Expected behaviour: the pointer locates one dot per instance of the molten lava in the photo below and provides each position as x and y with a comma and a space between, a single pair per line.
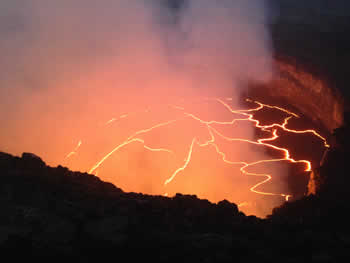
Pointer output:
205, 138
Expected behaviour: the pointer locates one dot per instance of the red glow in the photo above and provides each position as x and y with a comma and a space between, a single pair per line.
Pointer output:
196, 142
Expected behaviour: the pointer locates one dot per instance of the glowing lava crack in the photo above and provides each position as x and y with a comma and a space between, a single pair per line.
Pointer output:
247, 115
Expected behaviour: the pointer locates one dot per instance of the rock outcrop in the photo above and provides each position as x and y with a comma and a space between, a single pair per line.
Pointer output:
56, 214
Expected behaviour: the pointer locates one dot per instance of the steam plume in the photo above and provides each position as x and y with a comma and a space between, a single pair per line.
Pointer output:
67, 65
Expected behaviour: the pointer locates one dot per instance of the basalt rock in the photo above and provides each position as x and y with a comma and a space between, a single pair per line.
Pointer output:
56, 214
331, 177
32, 161
329, 202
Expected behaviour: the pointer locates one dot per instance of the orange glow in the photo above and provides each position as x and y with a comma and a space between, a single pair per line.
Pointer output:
206, 134
202, 146
147, 97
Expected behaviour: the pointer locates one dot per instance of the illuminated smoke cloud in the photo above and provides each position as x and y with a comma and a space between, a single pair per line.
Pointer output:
224, 42
61, 59
67, 65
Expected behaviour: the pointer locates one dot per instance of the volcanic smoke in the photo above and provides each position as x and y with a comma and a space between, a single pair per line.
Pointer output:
133, 90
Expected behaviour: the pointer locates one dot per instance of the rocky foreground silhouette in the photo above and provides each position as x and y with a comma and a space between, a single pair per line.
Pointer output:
55, 214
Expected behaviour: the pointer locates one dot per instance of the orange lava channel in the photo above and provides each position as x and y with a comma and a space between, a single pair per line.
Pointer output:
247, 116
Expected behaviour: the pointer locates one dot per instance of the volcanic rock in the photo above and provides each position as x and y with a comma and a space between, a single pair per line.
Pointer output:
75, 216
331, 177
33, 160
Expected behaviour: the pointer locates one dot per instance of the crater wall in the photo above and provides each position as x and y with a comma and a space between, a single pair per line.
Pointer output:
309, 94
